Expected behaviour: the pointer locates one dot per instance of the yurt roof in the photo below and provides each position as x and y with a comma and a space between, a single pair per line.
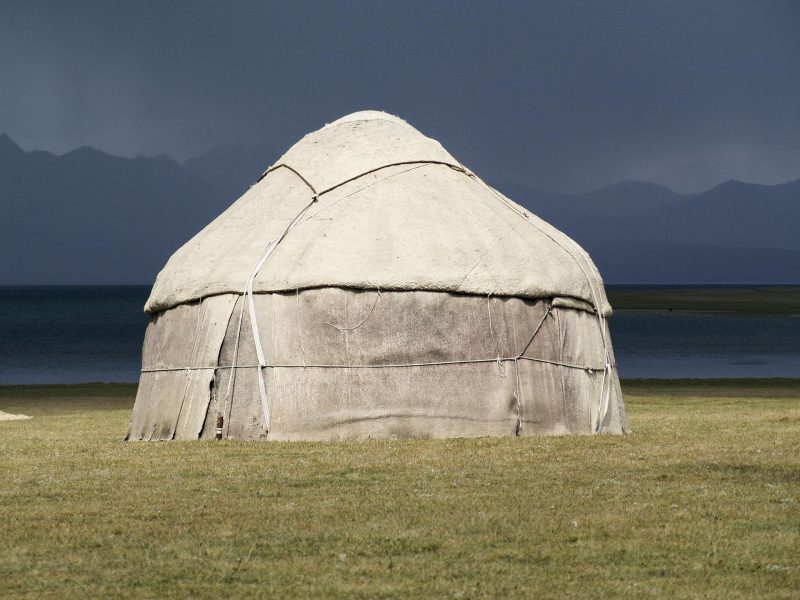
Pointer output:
392, 209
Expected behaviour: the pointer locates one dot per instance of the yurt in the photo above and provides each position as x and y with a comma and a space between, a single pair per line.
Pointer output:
369, 285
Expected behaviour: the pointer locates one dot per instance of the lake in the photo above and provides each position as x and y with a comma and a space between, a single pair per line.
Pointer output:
85, 334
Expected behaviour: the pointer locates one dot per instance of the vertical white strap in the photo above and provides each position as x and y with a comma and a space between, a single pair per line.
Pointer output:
251, 309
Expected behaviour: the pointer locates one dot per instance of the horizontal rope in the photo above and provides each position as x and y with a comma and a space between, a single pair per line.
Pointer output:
388, 366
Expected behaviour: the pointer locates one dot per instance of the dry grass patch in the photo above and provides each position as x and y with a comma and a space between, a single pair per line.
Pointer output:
702, 499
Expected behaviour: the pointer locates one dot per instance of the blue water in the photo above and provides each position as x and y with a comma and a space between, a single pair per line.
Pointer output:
84, 334
673, 345
71, 334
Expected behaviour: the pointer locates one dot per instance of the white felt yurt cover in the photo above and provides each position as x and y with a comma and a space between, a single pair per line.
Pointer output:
370, 285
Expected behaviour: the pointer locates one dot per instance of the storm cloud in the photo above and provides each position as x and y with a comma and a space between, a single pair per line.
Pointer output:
563, 96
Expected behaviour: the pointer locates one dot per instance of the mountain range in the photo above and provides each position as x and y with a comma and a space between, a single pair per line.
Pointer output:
86, 217
644, 233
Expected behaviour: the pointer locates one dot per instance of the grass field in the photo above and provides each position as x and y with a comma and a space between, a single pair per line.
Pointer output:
701, 500
765, 300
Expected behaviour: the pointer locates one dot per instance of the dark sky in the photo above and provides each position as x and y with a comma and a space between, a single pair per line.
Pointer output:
558, 95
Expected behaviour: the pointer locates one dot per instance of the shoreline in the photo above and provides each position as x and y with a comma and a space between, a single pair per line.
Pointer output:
708, 311
764, 300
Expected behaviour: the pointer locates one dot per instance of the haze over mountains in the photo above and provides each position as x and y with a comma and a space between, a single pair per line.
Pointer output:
86, 217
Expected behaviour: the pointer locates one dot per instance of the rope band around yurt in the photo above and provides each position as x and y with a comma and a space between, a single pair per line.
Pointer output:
468, 361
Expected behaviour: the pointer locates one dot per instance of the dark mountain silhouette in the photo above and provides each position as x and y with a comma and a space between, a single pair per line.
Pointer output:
87, 217
653, 262
621, 199
639, 232
731, 214
232, 168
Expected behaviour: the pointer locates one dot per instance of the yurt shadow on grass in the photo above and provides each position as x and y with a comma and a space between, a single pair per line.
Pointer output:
371, 286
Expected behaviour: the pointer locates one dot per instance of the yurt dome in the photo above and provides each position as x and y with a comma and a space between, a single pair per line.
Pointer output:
369, 285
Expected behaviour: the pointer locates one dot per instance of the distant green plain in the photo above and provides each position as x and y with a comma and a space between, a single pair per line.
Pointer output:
702, 499
766, 300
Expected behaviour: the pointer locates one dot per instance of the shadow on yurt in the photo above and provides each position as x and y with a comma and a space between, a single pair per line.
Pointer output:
371, 286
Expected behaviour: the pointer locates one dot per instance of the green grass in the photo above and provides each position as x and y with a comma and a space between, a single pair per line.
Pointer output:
766, 300
701, 500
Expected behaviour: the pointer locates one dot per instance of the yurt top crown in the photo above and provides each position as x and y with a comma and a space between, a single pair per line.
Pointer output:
372, 203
